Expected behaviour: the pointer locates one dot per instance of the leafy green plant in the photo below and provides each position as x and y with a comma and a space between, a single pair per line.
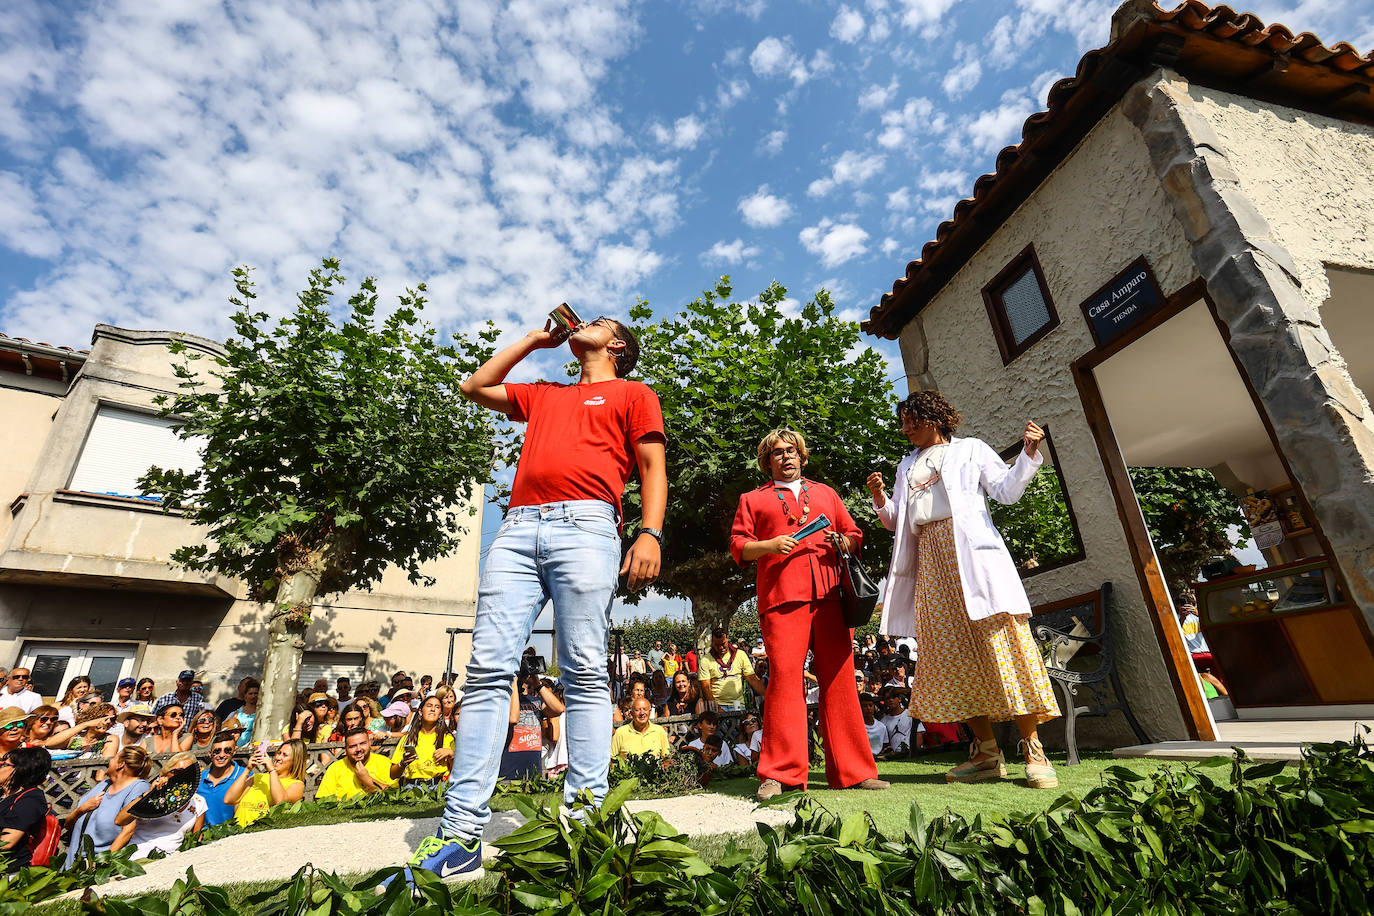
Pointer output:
1227, 836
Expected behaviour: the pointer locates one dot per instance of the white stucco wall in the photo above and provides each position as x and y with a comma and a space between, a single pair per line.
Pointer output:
1311, 178
1100, 210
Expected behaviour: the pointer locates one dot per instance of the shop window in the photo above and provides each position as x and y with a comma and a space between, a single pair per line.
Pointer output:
1019, 305
122, 445
1040, 529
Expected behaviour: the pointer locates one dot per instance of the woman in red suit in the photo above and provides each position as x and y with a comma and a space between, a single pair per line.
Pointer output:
799, 609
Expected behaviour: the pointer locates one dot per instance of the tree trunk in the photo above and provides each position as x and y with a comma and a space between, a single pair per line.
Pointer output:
286, 640
707, 614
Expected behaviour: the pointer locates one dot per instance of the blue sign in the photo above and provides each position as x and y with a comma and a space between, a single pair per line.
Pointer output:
1128, 299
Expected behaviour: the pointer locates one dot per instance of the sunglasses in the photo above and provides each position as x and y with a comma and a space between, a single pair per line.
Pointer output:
47, 718
20, 677
222, 752
12, 727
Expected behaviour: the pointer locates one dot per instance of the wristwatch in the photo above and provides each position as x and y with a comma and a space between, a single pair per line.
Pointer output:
655, 533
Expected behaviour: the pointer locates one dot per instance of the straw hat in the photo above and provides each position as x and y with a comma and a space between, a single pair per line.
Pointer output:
12, 714
138, 709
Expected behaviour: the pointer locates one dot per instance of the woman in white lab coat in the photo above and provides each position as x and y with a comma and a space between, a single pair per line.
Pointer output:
954, 587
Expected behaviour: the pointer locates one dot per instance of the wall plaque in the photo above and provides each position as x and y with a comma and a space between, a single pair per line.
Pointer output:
1128, 299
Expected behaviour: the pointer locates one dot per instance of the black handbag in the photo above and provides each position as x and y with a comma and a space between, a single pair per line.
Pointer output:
860, 592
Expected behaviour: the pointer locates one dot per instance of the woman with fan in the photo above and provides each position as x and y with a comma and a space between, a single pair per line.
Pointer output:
800, 607
93, 817
170, 809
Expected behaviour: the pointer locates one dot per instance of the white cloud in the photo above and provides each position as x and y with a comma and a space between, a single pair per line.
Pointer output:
963, 76
772, 142
834, 243
899, 199
763, 210
728, 94
735, 252
876, 96
772, 56
848, 25
475, 153
851, 168
924, 14
917, 117
684, 133
988, 131
945, 180
890, 246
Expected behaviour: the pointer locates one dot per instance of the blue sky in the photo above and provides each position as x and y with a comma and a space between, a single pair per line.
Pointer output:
511, 155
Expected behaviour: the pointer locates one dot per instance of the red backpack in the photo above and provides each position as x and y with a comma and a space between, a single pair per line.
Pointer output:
42, 845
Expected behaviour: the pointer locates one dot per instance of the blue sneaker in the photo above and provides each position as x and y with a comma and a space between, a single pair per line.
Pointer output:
446, 858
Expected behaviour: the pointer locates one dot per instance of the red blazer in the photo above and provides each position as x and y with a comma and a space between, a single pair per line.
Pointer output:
812, 570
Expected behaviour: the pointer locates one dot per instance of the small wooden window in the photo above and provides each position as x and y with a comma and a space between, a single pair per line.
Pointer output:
1019, 305
1040, 529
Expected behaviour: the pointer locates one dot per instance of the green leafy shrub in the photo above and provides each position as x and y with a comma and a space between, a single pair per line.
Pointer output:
1225, 837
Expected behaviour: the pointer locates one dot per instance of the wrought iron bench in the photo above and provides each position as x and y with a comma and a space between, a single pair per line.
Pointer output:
1092, 665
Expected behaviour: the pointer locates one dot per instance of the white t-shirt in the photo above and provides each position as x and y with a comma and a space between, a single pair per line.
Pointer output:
926, 502
898, 731
166, 832
877, 736
556, 754
793, 485
756, 742
1192, 634
723, 758
742, 753
26, 700
67, 716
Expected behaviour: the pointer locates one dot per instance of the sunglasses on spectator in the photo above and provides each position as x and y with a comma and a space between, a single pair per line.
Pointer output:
20, 677
222, 752
13, 726
47, 718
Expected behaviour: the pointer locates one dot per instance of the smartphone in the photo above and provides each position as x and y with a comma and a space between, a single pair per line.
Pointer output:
565, 320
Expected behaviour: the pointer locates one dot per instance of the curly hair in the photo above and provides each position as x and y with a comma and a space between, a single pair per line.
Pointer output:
931, 407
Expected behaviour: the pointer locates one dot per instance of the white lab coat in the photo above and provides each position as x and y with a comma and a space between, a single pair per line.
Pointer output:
991, 583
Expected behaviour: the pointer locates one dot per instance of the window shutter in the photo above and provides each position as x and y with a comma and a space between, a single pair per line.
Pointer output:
331, 666
123, 444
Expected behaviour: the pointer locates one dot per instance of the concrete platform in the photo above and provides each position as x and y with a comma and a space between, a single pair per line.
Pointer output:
1274, 739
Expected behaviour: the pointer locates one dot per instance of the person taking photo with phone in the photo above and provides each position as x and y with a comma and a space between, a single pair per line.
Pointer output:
560, 542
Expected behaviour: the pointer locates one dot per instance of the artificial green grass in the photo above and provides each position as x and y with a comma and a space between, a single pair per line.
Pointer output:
923, 780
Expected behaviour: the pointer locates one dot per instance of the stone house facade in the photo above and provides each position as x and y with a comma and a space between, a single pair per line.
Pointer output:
1215, 173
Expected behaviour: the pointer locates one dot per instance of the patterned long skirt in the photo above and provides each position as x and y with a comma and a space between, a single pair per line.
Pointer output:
967, 668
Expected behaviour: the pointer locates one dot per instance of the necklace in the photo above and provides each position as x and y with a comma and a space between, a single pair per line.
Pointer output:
804, 502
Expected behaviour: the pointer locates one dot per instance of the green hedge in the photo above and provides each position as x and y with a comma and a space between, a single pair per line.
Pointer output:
1224, 837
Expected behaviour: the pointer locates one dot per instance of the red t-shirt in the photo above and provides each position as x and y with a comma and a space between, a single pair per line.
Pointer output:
580, 439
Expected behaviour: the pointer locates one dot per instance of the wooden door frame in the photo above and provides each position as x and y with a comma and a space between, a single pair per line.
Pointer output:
1192, 704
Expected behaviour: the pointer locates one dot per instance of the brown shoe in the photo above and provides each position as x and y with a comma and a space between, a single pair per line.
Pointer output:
767, 789
873, 785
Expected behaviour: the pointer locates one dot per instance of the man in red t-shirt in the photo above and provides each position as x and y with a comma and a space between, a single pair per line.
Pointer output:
559, 542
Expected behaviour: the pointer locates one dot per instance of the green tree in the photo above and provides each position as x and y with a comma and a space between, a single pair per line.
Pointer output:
1190, 515
1037, 527
728, 372
330, 451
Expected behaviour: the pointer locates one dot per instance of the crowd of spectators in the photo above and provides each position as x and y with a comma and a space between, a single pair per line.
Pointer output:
668, 703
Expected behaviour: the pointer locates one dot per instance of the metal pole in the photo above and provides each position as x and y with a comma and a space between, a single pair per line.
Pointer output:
452, 632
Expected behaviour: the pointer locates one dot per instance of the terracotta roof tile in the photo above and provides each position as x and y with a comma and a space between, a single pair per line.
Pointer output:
1074, 104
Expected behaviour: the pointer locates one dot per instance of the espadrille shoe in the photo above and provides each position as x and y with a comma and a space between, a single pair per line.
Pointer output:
994, 766
1039, 773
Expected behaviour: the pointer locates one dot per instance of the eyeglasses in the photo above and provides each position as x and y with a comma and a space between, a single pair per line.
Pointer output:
12, 727
173, 715
20, 677
789, 452
47, 718
222, 752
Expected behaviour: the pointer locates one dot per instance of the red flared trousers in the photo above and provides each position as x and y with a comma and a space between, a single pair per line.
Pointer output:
788, 631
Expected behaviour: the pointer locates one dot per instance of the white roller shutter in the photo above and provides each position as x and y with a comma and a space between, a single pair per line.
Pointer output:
123, 445
331, 666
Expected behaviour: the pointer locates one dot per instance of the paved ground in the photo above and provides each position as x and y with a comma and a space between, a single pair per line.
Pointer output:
364, 846
1275, 739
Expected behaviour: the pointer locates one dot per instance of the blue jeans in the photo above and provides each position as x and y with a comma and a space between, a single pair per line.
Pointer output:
567, 552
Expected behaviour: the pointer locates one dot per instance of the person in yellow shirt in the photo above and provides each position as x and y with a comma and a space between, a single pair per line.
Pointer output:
425, 752
639, 735
358, 772
724, 671
283, 782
